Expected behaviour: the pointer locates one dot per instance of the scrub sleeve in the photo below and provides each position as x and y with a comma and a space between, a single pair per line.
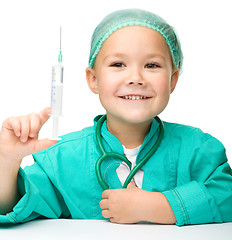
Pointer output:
206, 198
38, 197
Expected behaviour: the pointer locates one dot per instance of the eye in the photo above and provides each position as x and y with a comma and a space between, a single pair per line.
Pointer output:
151, 65
117, 64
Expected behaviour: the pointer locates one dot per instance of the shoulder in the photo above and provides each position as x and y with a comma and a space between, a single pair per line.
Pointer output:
76, 136
65, 154
181, 129
189, 136
184, 131
71, 142
191, 144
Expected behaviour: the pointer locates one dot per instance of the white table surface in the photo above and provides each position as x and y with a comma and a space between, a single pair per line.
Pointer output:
102, 230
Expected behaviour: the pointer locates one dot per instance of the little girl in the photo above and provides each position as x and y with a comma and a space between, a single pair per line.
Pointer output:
134, 65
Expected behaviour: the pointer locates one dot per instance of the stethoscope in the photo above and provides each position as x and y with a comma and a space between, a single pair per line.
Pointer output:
105, 155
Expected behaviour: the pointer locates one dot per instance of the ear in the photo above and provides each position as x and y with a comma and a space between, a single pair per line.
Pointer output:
174, 79
91, 80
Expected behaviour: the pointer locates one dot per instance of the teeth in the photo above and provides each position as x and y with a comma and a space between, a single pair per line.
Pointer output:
134, 97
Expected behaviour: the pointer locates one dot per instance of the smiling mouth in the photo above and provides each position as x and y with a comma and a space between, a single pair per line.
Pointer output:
134, 97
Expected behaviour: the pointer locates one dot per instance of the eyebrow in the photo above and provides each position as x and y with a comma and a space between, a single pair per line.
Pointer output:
155, 55
114, 55
150, 55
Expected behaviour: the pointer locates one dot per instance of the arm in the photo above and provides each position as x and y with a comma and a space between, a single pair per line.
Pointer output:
18, 138
8, 186
202, 196
207, 196
134, 205
39, 197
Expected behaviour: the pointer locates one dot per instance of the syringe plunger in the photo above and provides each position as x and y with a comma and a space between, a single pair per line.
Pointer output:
55, 128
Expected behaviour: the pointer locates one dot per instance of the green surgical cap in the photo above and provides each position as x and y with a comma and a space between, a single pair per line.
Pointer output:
130, 17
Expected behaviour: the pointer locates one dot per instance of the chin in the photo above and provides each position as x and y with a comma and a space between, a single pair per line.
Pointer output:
138, 118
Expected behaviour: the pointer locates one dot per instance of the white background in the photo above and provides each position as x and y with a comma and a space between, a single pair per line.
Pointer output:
29, 46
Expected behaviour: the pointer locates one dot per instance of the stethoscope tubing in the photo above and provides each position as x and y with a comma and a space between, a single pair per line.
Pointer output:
105, 155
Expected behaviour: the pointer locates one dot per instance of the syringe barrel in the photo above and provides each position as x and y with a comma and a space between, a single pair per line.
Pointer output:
57, 90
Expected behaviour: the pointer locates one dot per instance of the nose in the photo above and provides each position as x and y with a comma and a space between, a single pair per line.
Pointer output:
135, 77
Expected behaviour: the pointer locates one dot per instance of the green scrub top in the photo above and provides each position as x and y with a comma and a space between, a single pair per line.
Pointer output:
190, 168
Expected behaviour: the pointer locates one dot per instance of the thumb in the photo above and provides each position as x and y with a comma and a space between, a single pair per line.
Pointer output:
43, 144
131, 185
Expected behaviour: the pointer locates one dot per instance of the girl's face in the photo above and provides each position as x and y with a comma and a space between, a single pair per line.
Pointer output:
133, 75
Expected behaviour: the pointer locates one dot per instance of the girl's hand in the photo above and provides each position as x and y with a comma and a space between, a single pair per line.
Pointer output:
123, 205
19, 136
133, 205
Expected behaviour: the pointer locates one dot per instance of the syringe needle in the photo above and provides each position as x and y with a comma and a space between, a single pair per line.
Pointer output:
60, 54
60, 38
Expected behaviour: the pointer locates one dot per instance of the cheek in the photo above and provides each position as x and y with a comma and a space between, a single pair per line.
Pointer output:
107, 83
101, 82
106, 88
163, 88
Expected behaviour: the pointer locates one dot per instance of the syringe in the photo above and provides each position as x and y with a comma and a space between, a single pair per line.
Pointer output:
56, 94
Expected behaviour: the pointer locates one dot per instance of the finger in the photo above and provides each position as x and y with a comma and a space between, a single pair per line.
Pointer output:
34, 125
104, 204
24, 129
106, 214
44, 116
12, 124
113, 220
106, 194
43, 144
